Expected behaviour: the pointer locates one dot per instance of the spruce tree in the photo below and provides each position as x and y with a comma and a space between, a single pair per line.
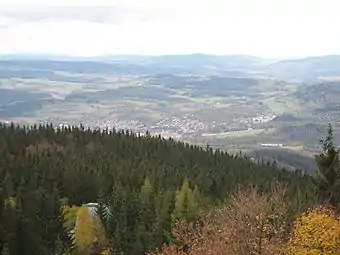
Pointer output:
146, 229
327, 179
103, 213
2, 221
2, 209
65, 244
110, 168
186, 204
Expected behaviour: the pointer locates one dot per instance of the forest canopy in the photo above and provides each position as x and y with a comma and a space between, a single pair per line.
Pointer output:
142, 185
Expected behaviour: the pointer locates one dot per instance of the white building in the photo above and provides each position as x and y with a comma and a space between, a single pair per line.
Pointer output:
272, 144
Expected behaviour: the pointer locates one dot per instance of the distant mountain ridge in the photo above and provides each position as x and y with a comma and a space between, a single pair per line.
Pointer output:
310, 70
124, 56
306, 70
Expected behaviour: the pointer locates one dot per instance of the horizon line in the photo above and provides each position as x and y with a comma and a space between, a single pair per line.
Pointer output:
52, 55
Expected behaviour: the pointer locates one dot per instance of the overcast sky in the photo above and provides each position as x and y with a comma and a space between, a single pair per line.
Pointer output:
266, 28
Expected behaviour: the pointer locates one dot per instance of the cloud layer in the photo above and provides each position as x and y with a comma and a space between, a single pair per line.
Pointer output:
269, 28
99, 14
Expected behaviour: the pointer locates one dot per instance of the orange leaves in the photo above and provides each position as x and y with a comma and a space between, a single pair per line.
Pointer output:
255, 223
251, 223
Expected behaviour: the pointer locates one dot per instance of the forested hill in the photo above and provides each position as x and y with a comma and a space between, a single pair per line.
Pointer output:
135, 176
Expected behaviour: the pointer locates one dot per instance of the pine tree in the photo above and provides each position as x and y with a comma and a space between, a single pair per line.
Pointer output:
122, 224
2, 209
55, 235
103, 213
327, 179
146, 229
197, 197
111, 170
66, 240
2, 221
186, 204
164, 206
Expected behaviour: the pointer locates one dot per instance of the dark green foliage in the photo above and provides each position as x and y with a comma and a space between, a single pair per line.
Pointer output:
103, 213
2, 213
135, 177
327, 179
65, 241
285, 158
146, 225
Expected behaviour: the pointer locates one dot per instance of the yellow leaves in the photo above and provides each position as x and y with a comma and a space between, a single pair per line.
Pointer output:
105, 252
316, 232
84, 231
88, 232
70, 215
10, 202
257, 223
99, 232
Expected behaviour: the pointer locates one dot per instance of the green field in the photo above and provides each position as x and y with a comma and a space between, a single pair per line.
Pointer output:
218, 110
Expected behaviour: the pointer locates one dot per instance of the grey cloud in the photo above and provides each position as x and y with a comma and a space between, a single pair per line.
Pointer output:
102, 14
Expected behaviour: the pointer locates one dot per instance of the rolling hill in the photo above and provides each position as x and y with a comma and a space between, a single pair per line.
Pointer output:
227, 101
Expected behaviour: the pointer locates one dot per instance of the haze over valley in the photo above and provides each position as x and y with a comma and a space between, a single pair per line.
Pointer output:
234, 102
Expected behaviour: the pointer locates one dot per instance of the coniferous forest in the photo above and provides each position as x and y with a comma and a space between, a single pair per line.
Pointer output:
153, 195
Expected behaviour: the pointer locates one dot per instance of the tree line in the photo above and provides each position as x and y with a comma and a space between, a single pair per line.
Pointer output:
147, 183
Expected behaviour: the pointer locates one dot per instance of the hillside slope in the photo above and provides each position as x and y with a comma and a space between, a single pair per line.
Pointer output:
285, 158
135, 176
310, 69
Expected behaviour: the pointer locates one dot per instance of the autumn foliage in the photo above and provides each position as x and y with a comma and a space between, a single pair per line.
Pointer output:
84, 231
250, 223
316, 232
152, 191
89, 235
145, 182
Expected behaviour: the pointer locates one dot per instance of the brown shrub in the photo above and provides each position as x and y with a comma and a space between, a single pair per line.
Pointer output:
250, 223
43, 146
